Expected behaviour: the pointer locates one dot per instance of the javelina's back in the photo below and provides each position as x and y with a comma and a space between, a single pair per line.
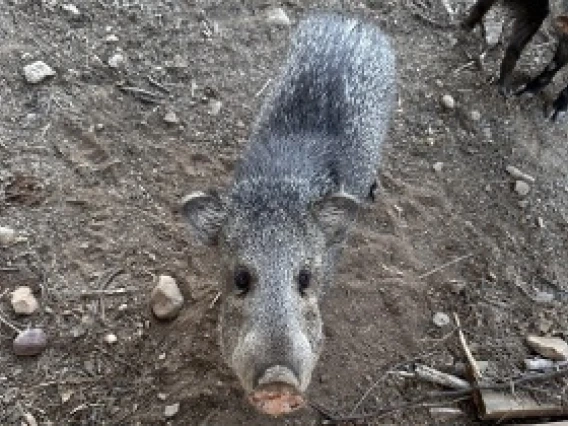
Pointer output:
334, 93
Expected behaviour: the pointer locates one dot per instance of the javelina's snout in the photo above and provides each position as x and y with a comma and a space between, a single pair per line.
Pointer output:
277, 391
275, 359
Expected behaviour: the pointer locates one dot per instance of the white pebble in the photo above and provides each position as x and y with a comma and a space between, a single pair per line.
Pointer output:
441, 319
110, 338
37, 71
215, 107
475, 115
162, 396
522, 188
166, 300
448, 102
116, 60
71, 9
7, 236
278, 17
23, 301
438, 166
171, 410
171, 118
111, 38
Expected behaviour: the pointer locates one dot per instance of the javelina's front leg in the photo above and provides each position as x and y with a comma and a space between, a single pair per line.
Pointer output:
559, 60
526, 25
476, 13
560, 104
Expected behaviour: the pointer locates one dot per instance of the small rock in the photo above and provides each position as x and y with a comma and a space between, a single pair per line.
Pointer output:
278, 17
448, 102
162, 396
110, 338
122, 307
111, 38
540, 222
171, 410
66, 395
7, 236
475, 115
71, 9
550, 347
215, 107
30, 419
116, 61
37, 71
441, 319
522, 188
438, 166
166, 300
23, 301
30, 342
171, 118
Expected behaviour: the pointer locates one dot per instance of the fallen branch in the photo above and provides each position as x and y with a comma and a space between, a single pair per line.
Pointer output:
445, 265
428, 398
429, 374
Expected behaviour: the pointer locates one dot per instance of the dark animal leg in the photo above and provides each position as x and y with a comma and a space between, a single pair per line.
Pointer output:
525, 27
559, 60
373, 191
476, 13
560, 104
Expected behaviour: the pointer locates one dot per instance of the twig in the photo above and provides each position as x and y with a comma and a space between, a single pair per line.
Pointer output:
470, 359
217, 296
263, 88
445, 265
64, 382
9, 324
158, 85
110, 277
421, 401
142, 94
108, 292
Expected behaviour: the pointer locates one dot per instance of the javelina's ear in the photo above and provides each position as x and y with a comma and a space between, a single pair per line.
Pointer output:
205, 214
335, 213
561, 24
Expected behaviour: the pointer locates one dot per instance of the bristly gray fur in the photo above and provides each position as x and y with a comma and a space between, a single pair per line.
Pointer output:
311, 161
321, 127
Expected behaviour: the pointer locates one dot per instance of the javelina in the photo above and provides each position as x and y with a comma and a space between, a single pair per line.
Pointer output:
310, 164
530, 14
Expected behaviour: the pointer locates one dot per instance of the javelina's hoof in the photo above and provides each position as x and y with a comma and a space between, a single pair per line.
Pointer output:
276, 399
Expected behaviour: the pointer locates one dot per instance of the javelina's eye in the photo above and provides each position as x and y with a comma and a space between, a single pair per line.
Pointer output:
304, 278
242, 281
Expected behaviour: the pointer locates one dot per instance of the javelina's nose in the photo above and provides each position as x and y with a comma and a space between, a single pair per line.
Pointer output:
276, 391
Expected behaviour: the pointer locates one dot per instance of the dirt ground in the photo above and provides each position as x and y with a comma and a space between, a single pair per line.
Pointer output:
90, 177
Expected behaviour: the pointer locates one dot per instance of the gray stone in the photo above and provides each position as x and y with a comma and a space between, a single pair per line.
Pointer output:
166, 300
37, 72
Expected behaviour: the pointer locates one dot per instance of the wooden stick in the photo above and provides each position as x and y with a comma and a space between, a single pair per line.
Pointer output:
470, 359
